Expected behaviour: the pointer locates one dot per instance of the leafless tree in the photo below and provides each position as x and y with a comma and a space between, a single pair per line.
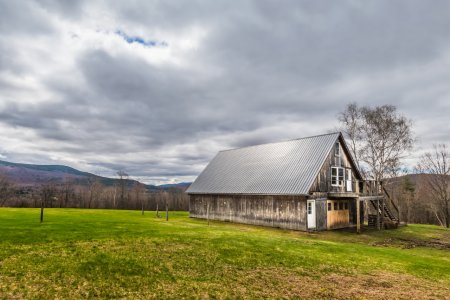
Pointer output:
95, 189
139, 194
115, 186
351, 120
165, 197
48, 195
123, 177
408, 190
379, 137
437, 164
66, 191
6, 189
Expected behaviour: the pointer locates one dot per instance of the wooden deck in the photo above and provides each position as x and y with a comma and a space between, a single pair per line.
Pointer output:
336, 195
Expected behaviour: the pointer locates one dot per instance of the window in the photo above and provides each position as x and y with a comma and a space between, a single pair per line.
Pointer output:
345, 205
335, 206
341, 205
336, 149
329, 206
334, 176
337, 176
309, 208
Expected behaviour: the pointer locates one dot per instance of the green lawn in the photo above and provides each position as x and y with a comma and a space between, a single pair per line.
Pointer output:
122, 254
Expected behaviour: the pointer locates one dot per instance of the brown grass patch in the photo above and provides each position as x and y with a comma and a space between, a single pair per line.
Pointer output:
274, 283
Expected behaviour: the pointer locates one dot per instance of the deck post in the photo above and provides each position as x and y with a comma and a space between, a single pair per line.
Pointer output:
378, 214
358, 216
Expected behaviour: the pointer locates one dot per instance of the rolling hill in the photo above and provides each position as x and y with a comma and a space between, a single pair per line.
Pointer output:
29, 175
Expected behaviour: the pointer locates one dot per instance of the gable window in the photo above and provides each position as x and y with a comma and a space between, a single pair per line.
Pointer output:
337, 176
337, 154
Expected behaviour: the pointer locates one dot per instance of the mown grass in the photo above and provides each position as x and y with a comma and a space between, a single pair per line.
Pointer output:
122, 254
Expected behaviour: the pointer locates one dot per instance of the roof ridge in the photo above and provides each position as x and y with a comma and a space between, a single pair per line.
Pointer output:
279, 142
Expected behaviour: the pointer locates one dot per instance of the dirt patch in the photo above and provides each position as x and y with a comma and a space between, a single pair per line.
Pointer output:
413, 243
432, 243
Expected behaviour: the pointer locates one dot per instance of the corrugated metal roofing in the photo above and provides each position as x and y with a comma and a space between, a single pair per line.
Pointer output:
284, 168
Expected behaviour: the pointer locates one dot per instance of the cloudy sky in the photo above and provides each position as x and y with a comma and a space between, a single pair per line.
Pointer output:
156, 88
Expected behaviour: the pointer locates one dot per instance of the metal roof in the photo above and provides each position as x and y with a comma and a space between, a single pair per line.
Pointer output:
284, 168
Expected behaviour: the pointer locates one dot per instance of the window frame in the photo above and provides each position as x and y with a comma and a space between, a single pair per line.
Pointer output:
338, 178
337, 149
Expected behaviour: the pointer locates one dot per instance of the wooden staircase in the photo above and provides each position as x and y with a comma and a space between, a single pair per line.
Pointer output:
387, 210
384, 210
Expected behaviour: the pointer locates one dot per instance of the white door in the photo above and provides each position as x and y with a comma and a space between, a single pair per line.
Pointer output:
348, 179
311, 210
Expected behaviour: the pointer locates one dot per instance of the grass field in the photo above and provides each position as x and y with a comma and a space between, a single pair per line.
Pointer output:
122, 254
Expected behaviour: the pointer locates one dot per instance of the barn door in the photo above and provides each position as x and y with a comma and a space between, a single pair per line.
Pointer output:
348, 180
311, 210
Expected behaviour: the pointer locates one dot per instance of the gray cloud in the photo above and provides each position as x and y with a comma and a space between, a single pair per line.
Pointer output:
231, 76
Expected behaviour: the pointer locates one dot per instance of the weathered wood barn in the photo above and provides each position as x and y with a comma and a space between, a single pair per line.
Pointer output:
310, 183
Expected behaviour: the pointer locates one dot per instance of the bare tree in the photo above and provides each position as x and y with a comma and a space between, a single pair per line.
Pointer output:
379, 138
437, 164
95, 189
123, 177
408, 189
115, 186
139, 194
351, 120
6, 189
48, 194
165, 198
67, 191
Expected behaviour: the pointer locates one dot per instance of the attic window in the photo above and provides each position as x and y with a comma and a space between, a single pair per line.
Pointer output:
336, 149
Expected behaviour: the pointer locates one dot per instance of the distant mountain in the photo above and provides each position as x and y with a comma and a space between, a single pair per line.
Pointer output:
33, 175
181, 185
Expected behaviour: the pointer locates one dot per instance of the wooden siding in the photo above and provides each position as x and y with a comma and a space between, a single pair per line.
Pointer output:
322, 183
338, 218
321, 214
275, 211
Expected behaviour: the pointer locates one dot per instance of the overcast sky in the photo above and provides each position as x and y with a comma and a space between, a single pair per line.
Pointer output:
156, 88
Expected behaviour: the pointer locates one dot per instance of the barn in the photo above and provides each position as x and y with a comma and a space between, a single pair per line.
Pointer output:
310, 183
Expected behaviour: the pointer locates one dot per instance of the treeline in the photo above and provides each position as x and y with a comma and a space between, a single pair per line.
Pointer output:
94, 194
416, 200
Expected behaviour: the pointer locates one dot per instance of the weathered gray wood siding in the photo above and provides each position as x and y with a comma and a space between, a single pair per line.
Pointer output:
275, 211
321, 214
322, 183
